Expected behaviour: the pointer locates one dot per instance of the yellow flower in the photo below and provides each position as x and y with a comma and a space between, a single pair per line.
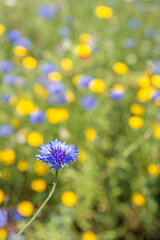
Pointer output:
85, 38
39, 185
66, 64
35, 139
55, 115
82, 157
153, 170
55, 76
40, 90
1, 196
69, 199
3, 233
2, 29
20, 51
137, 109
22, 166
25, 208
75, 79
29, 62
97, 85
89, 236
90, 134
40, 168
157, 132
135, 122
138, 199
144, 81
6, 174
83, 50
7, 157
144, 94
70, 96
103, 12
25, 107
120, 68
15, 122
119, 86
156, 80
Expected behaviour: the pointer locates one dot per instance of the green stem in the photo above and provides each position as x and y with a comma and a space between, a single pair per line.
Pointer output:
41, 207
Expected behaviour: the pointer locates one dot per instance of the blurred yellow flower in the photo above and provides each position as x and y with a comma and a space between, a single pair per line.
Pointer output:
3, 233
157, 132
20, 51
103, 12
90, 134
40, 90
1, 196
56, 115
22, 166
137, 109
69, 198
153, 169
120, 68
2, 29
29, 62
82, 157
70, 96
85, 38
138, 199
135, 122
40, 168
97, 85
38, 185
66, 64
144, 94
35, 139
156, 80
55, 76
83, 50
7, 157
144, 81
15, 122
6, 174
25, 208
25, 107
75, 79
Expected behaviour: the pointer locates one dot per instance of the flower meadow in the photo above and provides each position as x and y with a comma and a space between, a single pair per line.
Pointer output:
80, 99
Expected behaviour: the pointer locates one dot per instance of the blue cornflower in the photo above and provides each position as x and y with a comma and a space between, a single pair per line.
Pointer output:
88, 102
37, 117
57, 154
47, 11
84, 81
5, 130
24, 42
3, 217
6, 66
9, 79
48, 67
13, 35
117, 94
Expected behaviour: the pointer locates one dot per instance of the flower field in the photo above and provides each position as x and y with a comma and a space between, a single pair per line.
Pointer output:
79, 103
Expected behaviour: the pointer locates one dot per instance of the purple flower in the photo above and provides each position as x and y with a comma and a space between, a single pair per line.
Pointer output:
5, 97
47, 11
16, 215
5, 130
84, 80
3, 217
13, 35
117, 94
24, 42
56, 88
47, 68
37, 117
88, 102
6, 66
57, 154
9, 79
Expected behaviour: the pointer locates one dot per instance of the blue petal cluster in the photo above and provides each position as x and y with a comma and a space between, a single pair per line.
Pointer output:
57, 154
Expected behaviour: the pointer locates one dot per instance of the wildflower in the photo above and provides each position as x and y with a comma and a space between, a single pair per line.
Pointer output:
2, 29
7, 157
3, 233
88, 102
103, 12
120, 68
25, 208
40, 169
90, 134
117, 93
55, 76
137, 109
156, 80
133, 23
56, 115
66, 64
145, 94
82, 157
144, 81
89, 236
13, 35
6, 66
29, 62
47, 10
3, 217
138, 199
130, 43
10, 79
70, 97
5, 130
84, 81
25, 107
85, 38
24, 42
47, 68
20, 51
22, 166
37, 117
153, 169
38, 185
1, 196
69, 198
97, 85
35, 139
135, 122
57, 154
83, 50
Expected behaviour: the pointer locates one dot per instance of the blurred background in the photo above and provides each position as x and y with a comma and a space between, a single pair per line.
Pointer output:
87, 73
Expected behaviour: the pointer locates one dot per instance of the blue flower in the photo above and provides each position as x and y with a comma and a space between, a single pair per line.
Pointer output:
13, 35
130, 43
117, 94
37, 117
5, 130
133, 23
47, 10
57, 154
88, 102
3, 217
6, 66
10, 79
48, 67
24, 42
84, 80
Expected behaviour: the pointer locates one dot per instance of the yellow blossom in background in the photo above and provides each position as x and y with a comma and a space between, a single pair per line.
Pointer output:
7, 157
56, 115
144, 82
83, 50
55, 76
3, 233
20, 51
69, 199
6, 174
144, 94
82, 157
29, 62
25, 208
135, 122
157, 132
137, 109
2, 29
85, 38
40, 90
156, 81
35, 139
38, 185
138, 199
89, 236
40, 168
25, 107
22, 166
75, 79
66, 64
70, 96
153, 169
90, 134
103, 12
15, 122
120, 68
97, 85
1, 196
